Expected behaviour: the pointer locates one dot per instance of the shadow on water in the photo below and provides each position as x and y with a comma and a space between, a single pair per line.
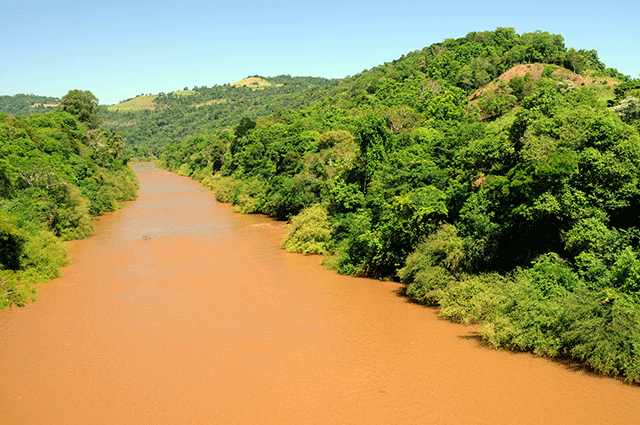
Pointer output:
567, 363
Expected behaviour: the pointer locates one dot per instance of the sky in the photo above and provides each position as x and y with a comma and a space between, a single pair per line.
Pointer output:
121, 49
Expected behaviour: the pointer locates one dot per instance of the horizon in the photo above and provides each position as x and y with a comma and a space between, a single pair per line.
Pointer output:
119, 50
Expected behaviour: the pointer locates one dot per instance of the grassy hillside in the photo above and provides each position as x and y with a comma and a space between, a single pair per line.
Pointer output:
138, 103
255, 83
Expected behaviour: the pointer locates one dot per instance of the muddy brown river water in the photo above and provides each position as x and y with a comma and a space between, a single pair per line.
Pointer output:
179, 311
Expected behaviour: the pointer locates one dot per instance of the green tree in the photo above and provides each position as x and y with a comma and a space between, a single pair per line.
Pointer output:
82, 104
374, 139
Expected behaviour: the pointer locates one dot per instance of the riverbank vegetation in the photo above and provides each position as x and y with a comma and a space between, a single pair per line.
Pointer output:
58, 170
496, 175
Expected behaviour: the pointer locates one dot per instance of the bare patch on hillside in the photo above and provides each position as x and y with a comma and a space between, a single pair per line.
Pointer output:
535, 70
44, 105
254, 82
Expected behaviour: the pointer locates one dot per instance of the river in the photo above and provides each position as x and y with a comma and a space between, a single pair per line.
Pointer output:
179, 311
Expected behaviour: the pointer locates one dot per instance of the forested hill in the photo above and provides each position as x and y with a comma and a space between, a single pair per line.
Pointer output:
25, 104
496, 175
147, 123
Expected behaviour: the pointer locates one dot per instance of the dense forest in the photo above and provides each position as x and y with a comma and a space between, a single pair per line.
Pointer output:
496, 175
25, 104
58, 170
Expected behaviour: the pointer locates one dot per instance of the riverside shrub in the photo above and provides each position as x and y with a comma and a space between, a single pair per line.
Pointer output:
309, 232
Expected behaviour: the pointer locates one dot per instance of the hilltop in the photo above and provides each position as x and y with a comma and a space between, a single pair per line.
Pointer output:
148, 101
255, 83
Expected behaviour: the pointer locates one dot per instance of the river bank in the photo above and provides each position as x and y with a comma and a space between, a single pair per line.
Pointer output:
180, 311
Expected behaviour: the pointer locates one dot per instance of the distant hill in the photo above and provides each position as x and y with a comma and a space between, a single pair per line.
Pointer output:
151, 121
147, 102
254, 83
24, 104
138, 103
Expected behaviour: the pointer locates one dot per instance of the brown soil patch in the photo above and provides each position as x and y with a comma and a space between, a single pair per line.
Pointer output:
535, 70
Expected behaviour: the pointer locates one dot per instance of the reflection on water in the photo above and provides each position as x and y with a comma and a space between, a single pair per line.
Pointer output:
180, 312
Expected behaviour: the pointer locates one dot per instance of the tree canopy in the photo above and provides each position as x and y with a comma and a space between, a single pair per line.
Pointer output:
56, 174
83, 105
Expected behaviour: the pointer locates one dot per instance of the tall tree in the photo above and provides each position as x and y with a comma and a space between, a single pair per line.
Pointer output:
82, 104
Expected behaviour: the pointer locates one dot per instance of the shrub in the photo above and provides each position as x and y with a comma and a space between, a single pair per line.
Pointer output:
223, 187
249, 195
309, 232
43, 253
474, 298
605, 332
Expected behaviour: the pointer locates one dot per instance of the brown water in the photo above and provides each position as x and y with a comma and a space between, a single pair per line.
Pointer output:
180, 312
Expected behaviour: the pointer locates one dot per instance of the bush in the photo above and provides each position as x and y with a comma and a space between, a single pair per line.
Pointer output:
604, 332
249, 196
533, 316
43, 253
73, 220
474, 298
309, 232
14, 290
223, 187
429, 285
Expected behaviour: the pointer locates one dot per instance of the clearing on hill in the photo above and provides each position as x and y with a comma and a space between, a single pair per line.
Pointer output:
138, 103
254, 83
535, 70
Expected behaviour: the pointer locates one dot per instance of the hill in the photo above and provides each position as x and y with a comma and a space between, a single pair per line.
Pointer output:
25, 104
496, 175
138, 103
149, 122
254, 83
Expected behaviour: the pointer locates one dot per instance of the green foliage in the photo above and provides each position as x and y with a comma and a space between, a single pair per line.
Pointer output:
55, 177
536, 179
625, 273
605, 332
360, 246
25, 104
248, 196
521, 87
628, 109
374, 140
496, 103
433, 266
44, 254
474, 299
11, 242
83, 105
309, 232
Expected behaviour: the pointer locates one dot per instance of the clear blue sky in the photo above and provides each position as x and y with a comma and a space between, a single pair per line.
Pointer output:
119, 49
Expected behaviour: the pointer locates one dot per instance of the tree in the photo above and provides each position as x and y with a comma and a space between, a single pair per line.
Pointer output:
82, 104
374, 140
243, 127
